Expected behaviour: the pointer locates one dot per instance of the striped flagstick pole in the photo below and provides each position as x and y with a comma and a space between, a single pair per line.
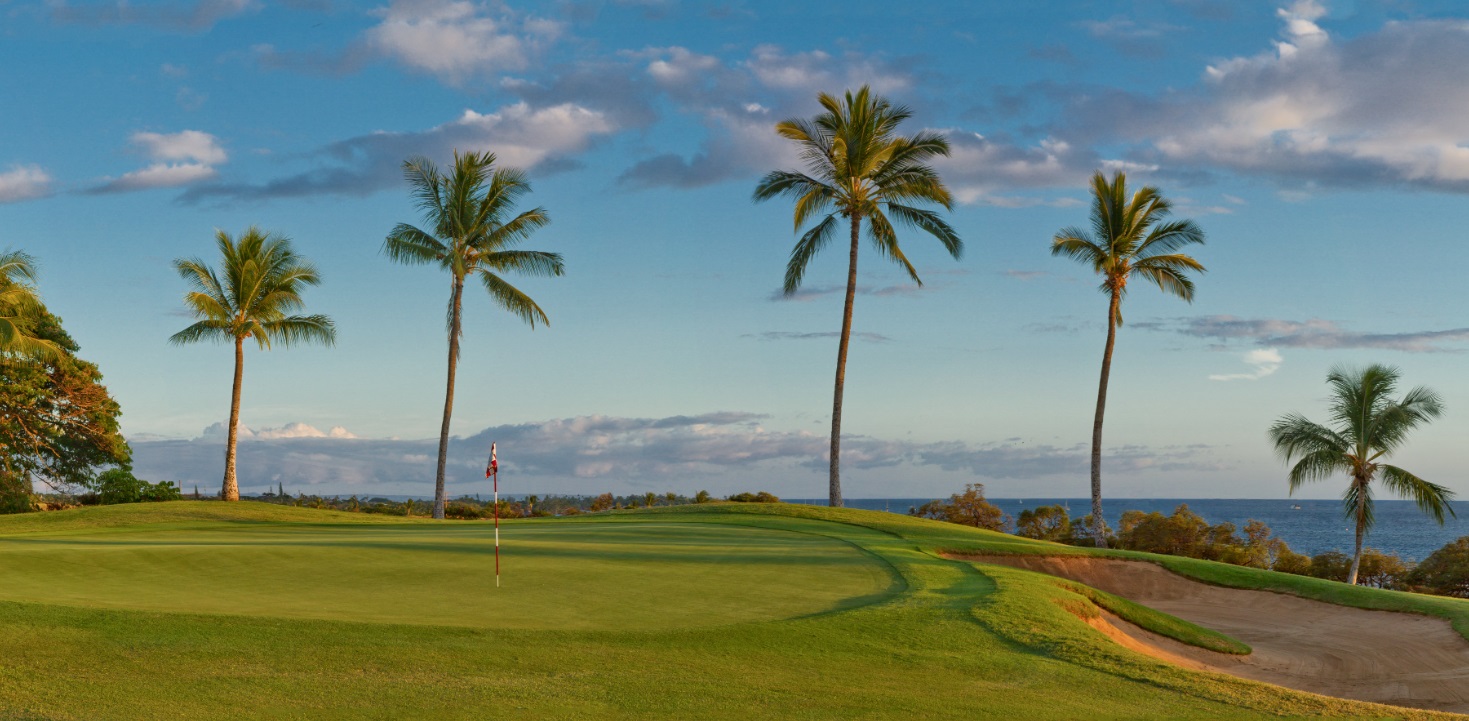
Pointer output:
494, 472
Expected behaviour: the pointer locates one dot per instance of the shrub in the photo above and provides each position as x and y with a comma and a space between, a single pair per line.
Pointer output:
1381, 570
1331, 565
968, 508
462, 511
747, 497
1445, 571
1046, 523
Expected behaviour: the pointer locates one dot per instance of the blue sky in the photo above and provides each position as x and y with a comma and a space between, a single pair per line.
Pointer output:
1321, 145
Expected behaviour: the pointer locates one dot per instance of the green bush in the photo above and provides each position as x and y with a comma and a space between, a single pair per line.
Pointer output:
463, 511
747, 497
1445, 571
118, 485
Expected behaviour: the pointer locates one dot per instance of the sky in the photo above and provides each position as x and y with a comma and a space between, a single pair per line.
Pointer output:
1321, 145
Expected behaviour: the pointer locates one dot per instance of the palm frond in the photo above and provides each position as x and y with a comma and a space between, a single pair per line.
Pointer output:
512, 299
297, 329
530, 262
215, 330
1431, 498
810, 244
929, 222
412, 246
885, 240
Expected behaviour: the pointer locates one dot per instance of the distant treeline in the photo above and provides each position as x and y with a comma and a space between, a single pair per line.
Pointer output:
1185, 533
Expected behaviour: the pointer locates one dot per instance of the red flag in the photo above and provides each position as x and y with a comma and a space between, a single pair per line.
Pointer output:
494, 466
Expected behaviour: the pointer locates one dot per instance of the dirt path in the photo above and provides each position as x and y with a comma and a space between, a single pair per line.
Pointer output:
1396, 658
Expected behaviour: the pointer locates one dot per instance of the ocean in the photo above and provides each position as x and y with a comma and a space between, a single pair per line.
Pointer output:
1315, 527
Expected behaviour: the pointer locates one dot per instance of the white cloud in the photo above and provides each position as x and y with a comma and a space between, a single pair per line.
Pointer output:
217, 432
1385, 107
24, 182
520, 135
187, 145
457, 40
1264, 361
181, 158
158, 175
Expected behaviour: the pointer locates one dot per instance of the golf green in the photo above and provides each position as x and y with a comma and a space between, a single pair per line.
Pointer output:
554, 576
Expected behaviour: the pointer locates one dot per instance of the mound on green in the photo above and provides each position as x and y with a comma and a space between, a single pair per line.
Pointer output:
720, 612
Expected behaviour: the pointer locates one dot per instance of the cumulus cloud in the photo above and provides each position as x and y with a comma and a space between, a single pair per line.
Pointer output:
740, 102
180, 16
218, 432
181, 158
592, 452
521, 136
1264, 361
1312, 333
456, 41
1382, 108
24, 182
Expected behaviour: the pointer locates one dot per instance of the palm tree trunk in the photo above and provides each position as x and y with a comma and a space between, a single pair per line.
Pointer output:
439, 495
835, 484
1361, 531
231, 489
1098, 521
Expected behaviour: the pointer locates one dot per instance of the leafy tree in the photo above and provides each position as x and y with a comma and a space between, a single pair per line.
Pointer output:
20, 308
1368, 426
1445, 571
471, 233
1131, 236
1046, 523
650, 499
703, 497
58, 423
604, 502
859, 168
118, 485
969, 508
253, 296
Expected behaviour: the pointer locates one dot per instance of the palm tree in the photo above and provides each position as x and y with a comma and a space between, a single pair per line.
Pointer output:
858, 169
1367, 426
472, 233
1130, 236
18, 305
258, 287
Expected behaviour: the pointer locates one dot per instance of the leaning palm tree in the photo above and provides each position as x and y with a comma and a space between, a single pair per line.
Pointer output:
859, 168
1367, 426
472, 233
19, 305
1130, 236
253, 296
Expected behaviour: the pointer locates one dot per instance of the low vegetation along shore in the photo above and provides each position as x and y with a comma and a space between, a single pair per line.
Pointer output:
204, 610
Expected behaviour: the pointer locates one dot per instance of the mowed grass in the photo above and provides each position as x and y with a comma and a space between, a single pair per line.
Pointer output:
557, 576
317, 615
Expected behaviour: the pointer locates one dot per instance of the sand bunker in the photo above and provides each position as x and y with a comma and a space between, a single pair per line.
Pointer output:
1396, 658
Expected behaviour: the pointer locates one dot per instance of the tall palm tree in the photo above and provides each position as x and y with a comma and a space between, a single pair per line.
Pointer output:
1130, 236
18, 305
1367, 426
253, 296
859, 168
472, 233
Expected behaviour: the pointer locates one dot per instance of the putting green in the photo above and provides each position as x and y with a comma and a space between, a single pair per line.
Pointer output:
583, 576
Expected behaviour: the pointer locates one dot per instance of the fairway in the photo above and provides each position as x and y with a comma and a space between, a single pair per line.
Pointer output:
207, 610
555, 575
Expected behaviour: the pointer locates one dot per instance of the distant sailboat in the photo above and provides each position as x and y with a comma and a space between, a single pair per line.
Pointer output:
1295, 506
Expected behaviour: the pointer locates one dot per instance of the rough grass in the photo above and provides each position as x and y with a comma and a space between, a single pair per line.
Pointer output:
941, 638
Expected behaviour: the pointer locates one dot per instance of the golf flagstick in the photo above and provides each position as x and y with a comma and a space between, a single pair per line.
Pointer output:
493, 471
